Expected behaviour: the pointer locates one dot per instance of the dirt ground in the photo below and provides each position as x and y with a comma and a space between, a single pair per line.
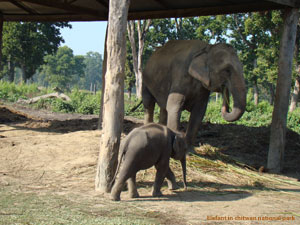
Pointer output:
44, 152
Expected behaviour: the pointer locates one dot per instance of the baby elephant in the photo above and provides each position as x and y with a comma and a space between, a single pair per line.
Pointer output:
151, 144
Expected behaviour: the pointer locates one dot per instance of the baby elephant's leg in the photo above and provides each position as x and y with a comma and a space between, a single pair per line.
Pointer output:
131, 182
171, 180
119, 184
161, 172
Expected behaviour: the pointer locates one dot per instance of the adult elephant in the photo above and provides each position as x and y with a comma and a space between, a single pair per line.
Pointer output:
180, 76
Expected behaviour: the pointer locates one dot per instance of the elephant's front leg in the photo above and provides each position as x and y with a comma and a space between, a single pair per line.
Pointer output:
174, 108
161, 172
172, 185
196, 118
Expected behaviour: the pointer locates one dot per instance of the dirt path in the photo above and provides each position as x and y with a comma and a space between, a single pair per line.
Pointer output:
49, 153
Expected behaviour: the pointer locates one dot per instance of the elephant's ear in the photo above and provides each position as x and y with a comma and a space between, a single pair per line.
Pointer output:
199, 70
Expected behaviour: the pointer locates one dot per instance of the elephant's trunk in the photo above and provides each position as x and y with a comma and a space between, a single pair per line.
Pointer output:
183, 165
238, 91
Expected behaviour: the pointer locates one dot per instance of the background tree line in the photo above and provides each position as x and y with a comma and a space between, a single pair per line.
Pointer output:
255, 36
31, 52
33, 48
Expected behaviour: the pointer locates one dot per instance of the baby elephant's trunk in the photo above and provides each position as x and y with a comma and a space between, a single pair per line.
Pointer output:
183, 165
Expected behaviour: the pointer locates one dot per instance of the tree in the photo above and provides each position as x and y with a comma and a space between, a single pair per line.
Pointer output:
26, 43
295, 94
256, 37
63, 69
141, 27
92, 71
113, 107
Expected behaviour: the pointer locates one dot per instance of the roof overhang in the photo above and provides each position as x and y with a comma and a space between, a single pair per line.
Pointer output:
97, 10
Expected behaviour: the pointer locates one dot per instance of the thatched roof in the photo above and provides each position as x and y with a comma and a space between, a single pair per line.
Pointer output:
97, 10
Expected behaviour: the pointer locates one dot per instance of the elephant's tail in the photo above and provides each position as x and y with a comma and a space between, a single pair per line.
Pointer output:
123, 151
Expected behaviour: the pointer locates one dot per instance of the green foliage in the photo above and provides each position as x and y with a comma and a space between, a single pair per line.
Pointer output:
81, 102
293, 120
85, 102
26, 43
63, 69
11, 92
92, 70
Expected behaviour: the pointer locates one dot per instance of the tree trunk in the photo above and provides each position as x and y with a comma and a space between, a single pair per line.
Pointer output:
11, 71
23, 74
255, 94
279, 118
272, 94
1, 40
295, 95
255, 86
137, 55
103, 81
113, 113
217, 96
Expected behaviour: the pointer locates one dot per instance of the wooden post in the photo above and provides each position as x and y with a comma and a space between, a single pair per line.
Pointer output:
113, 112
103, 81
1, 40
279, 118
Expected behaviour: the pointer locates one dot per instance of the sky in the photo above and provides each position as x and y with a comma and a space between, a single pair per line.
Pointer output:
85, 37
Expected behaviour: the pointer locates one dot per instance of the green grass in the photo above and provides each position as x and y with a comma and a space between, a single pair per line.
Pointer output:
12, 92
50, 208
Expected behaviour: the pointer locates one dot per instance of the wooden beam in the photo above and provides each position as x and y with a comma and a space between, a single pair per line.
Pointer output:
162, 4
52, 17
283, 89
205, 11
290, 3
64, 6
103, 3
22, 6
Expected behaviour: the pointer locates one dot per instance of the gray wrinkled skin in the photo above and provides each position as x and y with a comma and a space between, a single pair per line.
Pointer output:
151, 144
180, 76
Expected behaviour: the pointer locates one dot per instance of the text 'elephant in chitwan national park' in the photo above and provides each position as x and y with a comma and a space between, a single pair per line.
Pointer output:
180, 76
144, 147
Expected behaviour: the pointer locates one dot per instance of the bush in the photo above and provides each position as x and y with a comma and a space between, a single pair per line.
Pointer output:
293, 120
12, 92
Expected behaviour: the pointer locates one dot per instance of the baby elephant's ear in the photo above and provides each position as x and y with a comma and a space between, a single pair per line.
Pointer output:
179, 147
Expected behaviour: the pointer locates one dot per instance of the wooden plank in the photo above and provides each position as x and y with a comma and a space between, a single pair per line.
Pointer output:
103, 3
205, 11
24, 7
64, 6
283, 88
290, 3
52, 17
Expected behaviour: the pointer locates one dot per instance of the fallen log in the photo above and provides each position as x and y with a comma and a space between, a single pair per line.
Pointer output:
51, 95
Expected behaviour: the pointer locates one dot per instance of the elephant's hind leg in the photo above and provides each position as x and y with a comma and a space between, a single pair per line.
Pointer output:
131, 182
161, 173
149, 104
118, 186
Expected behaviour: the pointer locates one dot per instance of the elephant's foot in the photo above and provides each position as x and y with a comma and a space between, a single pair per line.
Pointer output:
172, 185
134, 194
157, 194
115, 197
